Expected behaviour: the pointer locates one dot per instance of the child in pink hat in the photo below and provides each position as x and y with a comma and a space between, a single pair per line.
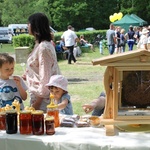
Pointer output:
58, 87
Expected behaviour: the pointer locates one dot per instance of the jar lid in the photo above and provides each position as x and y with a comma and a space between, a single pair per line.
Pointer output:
25, 112
2, 113
49, 118
52, 106
37, 112
11, 111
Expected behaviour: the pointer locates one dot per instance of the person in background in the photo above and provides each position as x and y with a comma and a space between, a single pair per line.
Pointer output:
70, 38
58, 87
111, 39
122, 40
11, 87
61, 48
148, 28
76, 51
137, 35
96, 106
52, 41
148, 42
84, 42
42, 61
118, 46
143, 39
130, 38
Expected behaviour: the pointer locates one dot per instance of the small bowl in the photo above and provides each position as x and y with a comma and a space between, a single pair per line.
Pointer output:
94, 121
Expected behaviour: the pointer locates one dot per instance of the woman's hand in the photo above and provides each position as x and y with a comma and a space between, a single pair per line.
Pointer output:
88, 107
37, 103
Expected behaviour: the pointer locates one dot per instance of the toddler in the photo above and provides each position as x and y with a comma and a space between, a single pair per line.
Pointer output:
10, 88
58, 87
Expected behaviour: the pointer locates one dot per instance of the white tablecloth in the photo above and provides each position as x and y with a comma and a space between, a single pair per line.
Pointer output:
88, 138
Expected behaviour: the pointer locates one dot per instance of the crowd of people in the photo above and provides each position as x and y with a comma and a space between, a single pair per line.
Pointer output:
118, 38
69, 44
43, 75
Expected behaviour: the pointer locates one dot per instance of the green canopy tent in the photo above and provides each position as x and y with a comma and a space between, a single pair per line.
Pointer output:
126, 21
142, 22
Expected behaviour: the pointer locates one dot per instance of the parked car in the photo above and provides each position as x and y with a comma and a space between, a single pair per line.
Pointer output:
89, 29
16, 29
5, 36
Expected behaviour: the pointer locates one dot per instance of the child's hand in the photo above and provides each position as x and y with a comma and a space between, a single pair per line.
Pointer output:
24, 77
17, 80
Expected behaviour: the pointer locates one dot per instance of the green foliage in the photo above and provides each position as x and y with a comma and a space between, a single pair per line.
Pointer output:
23, 40
16, 11
89, 35
7, 48
78, 13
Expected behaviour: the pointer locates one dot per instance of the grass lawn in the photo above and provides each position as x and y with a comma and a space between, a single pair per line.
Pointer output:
85, 80
7, 48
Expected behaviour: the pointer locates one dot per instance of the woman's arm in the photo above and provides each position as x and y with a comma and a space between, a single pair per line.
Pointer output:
100, 103
37, 103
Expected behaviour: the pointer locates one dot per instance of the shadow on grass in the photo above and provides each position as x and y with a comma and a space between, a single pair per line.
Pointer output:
76, 80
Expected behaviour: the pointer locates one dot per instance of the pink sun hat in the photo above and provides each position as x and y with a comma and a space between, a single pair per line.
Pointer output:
58, 81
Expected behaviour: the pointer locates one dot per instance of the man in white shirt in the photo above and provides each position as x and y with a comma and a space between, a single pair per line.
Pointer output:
70, 38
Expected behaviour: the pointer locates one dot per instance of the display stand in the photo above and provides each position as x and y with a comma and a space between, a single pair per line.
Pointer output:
127, 87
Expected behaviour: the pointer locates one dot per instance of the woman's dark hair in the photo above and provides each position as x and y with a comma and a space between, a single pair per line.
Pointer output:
40, 27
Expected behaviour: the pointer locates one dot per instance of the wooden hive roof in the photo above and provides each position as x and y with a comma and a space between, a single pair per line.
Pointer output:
138, 57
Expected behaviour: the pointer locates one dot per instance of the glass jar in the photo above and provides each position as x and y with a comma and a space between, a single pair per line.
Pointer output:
52, 110
37, 122
11, 122
2, 120
25, 122
50, 126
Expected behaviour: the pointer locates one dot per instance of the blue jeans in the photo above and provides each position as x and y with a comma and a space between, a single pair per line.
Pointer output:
130, 44
111, 49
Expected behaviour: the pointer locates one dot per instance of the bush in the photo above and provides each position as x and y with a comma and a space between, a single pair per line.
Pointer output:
23, 40
88, 35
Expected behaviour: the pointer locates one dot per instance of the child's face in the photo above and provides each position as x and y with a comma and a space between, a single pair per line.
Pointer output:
6, 70
57, 92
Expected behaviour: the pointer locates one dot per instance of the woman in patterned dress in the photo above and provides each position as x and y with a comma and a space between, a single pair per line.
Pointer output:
42, 61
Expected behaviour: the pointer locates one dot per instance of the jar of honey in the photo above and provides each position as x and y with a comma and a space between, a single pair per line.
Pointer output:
11, 122
37, 122
52, 110
50, 126
2, 120
25, 122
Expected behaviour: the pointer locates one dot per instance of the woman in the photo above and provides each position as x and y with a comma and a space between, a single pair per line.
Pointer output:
143, 39
122, 40
130, 38
83, 42
42, 61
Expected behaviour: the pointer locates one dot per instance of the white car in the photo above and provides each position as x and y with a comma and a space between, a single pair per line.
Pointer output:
90, 29
5, 37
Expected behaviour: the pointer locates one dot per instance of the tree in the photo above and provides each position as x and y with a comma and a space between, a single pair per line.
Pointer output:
78, 13
16, 11
140, 8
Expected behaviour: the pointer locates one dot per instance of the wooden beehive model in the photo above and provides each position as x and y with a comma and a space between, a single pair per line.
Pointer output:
127, 87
